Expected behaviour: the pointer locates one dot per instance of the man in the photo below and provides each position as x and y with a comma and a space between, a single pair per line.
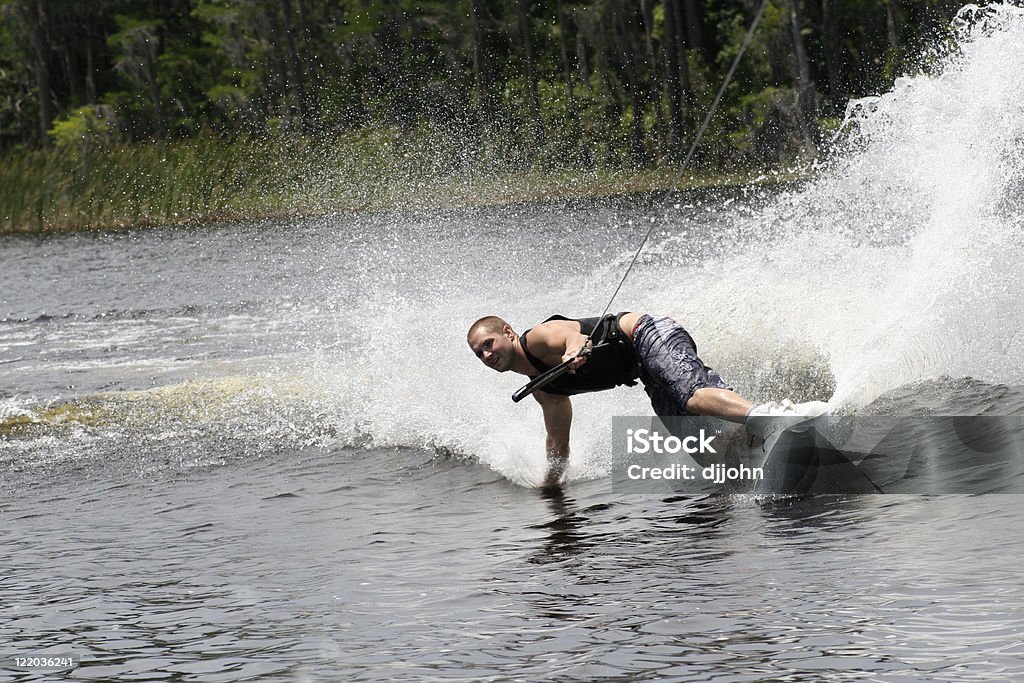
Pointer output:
625, 347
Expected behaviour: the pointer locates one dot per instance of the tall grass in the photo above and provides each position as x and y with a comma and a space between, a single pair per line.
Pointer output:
163, 183
216, 179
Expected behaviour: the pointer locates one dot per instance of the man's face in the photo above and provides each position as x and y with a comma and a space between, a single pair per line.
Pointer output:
494, 349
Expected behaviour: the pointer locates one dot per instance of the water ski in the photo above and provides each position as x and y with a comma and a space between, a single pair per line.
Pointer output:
831, 454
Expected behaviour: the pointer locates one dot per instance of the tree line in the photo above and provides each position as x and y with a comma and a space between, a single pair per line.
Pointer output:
597, 81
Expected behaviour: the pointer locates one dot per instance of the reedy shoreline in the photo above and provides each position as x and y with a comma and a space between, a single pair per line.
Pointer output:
215, 179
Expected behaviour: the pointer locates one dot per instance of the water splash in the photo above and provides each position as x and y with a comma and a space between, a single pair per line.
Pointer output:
951, 146
899, 263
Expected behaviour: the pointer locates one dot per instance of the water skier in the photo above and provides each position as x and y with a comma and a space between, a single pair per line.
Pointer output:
616, 350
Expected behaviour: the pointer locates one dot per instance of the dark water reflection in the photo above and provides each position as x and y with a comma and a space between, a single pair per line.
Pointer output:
283, 568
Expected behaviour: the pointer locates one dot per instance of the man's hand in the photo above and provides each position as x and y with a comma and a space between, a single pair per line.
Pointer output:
578, 355
556, 468
557, 421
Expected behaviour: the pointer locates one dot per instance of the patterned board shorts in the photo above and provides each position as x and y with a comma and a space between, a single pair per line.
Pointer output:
669, 366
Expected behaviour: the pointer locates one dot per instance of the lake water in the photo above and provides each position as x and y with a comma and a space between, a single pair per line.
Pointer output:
264, 451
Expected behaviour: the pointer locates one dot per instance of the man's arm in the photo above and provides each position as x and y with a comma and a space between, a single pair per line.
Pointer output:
558, 338
557, 421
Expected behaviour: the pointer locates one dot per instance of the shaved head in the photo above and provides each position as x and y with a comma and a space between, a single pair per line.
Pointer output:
494, 342
489, 323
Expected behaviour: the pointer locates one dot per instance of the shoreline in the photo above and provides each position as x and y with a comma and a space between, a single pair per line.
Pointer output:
198, 182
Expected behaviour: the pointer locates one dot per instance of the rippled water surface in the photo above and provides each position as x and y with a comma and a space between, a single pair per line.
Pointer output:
385, 565
209, 474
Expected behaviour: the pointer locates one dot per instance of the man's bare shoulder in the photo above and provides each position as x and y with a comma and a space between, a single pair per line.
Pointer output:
552, 334
558, 326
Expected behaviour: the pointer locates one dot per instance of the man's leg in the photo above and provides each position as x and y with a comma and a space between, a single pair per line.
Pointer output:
717, 402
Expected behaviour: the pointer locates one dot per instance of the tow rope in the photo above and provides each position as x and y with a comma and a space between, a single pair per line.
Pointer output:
554, 373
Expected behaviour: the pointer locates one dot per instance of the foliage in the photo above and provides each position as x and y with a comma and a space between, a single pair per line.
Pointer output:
85, 126
510, 84
221, 178
600, 72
